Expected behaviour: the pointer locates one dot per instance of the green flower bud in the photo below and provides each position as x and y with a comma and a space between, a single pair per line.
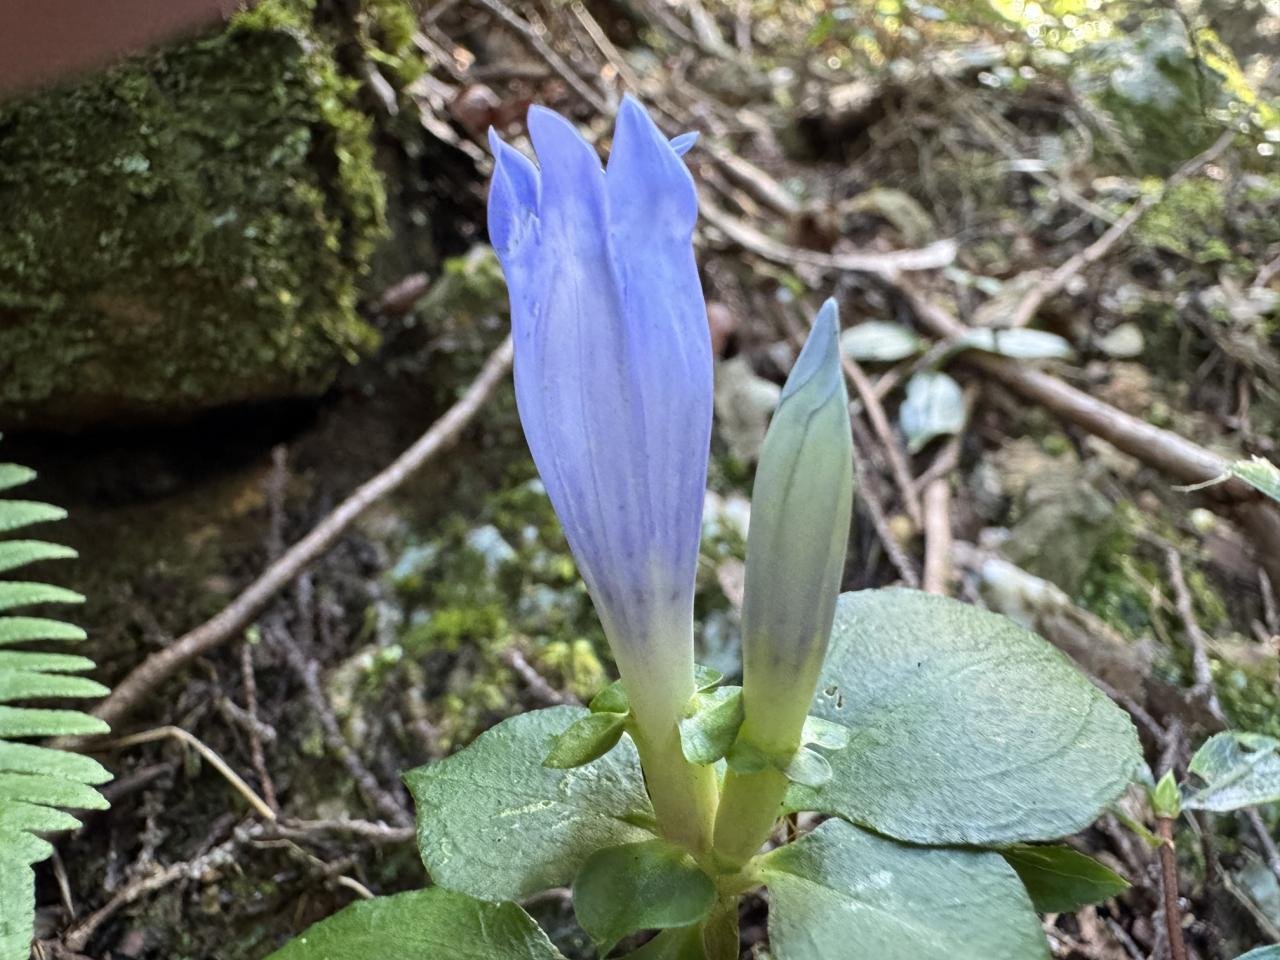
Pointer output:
799, 534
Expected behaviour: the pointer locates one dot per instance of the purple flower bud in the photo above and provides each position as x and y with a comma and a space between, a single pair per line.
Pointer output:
613, 375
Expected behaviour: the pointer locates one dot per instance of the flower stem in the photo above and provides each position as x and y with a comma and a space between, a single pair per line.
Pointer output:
751, 803
749, 810
684, 794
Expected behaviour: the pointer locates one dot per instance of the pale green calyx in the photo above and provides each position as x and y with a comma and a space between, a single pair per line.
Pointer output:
800, 514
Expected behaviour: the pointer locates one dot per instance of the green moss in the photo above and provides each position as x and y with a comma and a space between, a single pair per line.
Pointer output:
189, 228
1190, 221
1116, 584
1250, 696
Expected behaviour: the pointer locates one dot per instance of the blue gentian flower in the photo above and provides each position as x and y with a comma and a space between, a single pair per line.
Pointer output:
613, 374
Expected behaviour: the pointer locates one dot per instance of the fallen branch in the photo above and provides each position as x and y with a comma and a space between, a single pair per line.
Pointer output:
936, 255
1056, 281
937, 537
209, 754
1193, 634
1184, 461
163, 664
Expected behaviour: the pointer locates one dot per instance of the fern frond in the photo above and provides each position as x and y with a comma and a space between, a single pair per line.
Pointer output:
36, 782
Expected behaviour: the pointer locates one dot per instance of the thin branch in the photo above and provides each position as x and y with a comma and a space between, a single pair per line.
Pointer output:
535, 681
1169, 888
1196, 640
1183, 460
161, 665
177, 733
888, 439
1056, 281
937, 536
936, 255
545, 50
865, 492
308, 671
370, 830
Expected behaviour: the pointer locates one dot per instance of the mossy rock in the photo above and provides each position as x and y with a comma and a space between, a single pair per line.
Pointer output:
189, 228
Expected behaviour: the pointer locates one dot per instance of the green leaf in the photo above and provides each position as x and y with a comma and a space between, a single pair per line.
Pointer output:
38, 722
934, 407
965, 728
22, 513
49, 791
432, 924
33, 661
18, 593
681, 944
17, 894
708, 733
23, 629
808, 768
704, 678
1166, 798
612, 699
824, 733
1237, 770
30, 758
652, 885
495, 823
36, 780
1261, 474
23, 685
843, 892
876, 341
17, 553
13, 475
1019, 343
1062, 880
586, 739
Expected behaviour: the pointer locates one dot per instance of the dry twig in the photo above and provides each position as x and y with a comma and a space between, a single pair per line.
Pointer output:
1195, 638
159, 666
937, 536
1183, 460
1056, 281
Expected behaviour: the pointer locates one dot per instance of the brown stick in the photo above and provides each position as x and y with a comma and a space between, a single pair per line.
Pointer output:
1169, 888
162, 664
888, 440
1195, 638
1054, 282
937, 536
1183, 460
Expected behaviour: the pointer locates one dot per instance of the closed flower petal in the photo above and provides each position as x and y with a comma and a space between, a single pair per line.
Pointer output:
613, 373
800, 513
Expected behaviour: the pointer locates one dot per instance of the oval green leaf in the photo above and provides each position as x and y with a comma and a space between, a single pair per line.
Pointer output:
494, 823
1237, 770
843, 892
965, 727
1062, 880
934, 407
587, 739
653, 885
877, 341
423, 924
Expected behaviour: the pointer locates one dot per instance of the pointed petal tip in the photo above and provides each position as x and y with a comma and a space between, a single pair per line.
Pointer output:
819, 360
684, 142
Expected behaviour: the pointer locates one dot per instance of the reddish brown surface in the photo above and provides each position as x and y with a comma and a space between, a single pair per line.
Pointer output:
48, 39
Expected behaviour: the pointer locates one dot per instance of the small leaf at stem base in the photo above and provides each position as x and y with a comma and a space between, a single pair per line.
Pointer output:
707, 734
586, 739
639, 886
